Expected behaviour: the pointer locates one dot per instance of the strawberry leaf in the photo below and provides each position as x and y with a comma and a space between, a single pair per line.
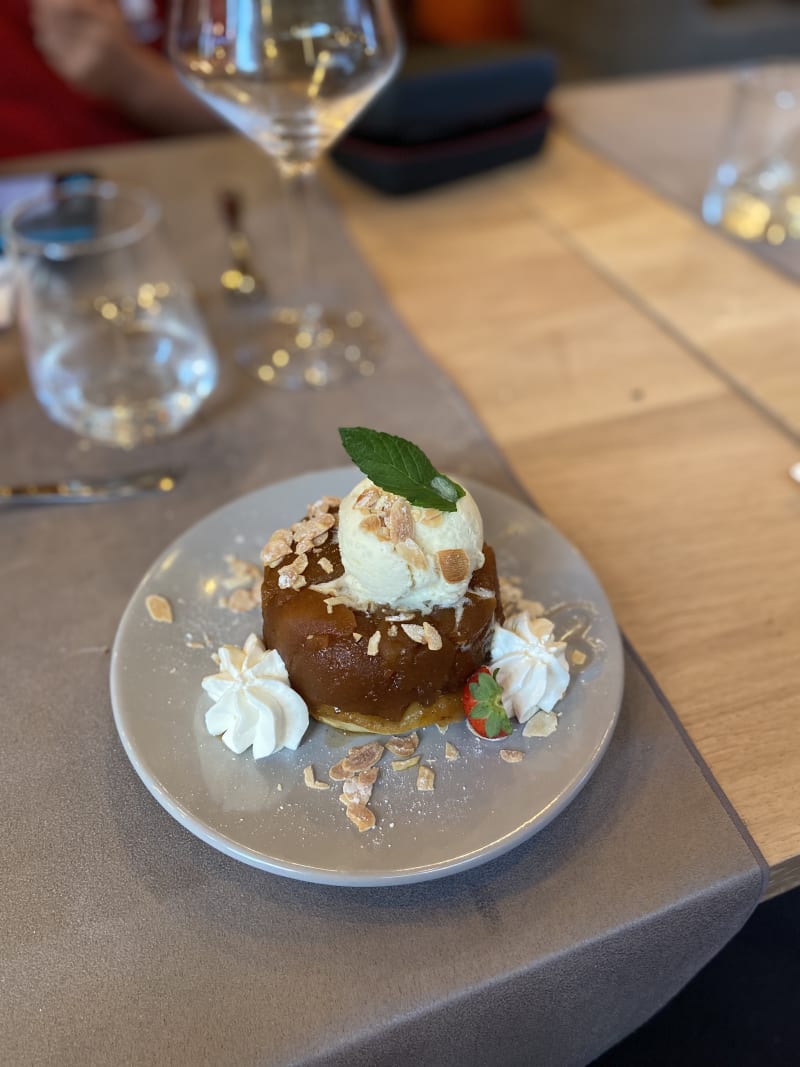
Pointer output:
400, 467
487, 693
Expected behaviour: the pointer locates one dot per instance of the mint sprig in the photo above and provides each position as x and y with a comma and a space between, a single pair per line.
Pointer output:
400, 467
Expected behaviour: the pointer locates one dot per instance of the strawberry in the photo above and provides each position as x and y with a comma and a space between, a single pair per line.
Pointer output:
483, 705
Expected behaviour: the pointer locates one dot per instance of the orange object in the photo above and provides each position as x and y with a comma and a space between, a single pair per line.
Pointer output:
461, 21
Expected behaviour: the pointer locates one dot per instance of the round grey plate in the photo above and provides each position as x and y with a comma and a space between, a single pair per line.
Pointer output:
261, 812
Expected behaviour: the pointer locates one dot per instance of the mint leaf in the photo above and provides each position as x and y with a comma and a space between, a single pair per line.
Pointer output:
399, 466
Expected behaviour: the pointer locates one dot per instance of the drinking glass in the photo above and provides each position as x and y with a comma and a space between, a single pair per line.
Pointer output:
291, 75
114, 346
754, 192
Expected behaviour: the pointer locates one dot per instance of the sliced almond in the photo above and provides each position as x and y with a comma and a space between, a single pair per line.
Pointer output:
158, 608
404, 764
430, 516
358, 789
404, 616
338, 772
310, 779
242, 600
433, 639
392, 631
323, 506
541, 724
511, 755
325, 564
578, 657
362, 757
357, 637
451, 752
414, 632
403, 746
401, 521
367, 497
278, 546
425, 779
371, 524
242, 573
361, 817
373, 643
454, 565
413, 555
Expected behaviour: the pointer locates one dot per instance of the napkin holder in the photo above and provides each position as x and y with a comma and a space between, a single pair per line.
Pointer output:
450, 115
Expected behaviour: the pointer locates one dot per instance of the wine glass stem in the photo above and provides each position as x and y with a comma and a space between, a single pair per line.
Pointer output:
298, 193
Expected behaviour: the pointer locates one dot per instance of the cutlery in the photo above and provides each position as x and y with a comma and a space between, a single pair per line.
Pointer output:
86, 491
240, 278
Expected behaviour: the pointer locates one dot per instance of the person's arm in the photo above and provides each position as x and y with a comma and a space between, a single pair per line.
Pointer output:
89, 44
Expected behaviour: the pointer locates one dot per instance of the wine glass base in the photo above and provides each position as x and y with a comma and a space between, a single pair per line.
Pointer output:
296, 348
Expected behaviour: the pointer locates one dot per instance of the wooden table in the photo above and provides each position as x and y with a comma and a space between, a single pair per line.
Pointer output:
642, 375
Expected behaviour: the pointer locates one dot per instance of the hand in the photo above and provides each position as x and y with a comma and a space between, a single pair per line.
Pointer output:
87, 43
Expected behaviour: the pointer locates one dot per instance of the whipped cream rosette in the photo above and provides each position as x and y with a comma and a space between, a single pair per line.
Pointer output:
254, 704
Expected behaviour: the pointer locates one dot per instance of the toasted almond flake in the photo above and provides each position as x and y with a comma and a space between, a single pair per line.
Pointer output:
425, 779
404, 616
451, 752
291, 581
322, 506
371, 524
195, 644
338, 772
578, 657
430, 516
403, 746
401, 521
278, 546
357, 637
361, 817
433, 638
511, 755
358, 789
367, 497
541, 724
373, 643
392, 631
310, 779
414, 632
325, 564
242, 573
413, 555
242, 600
454, 565
404, 764
158, 608
362, 757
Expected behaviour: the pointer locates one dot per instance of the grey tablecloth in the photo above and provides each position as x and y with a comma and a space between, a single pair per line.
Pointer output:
666, 130
126, 940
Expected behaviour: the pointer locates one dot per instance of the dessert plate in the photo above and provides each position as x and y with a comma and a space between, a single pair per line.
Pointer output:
261, 812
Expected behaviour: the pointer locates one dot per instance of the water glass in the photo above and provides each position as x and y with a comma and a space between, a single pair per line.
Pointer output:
754, 192
114, 345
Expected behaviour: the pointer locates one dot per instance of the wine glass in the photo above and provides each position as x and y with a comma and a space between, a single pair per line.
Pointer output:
292, 75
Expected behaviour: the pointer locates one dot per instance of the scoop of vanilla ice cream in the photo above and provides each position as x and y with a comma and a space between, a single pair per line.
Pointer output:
410, 558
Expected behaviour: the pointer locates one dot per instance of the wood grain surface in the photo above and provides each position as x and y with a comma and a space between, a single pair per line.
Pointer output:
611, 344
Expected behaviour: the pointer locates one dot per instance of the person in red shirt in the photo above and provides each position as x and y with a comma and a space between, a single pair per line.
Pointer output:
87, 72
